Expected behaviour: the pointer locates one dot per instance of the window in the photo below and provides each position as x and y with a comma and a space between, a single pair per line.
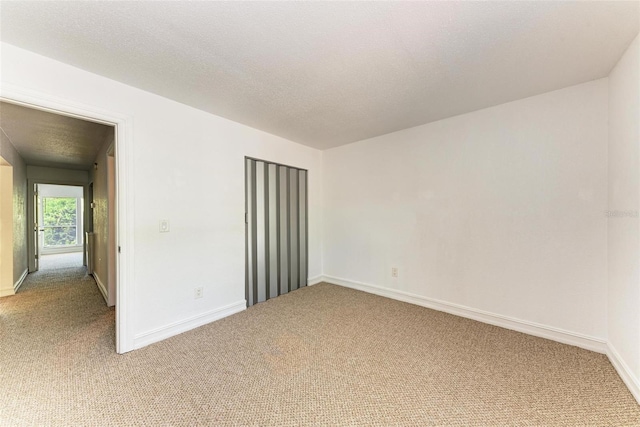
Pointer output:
60, 220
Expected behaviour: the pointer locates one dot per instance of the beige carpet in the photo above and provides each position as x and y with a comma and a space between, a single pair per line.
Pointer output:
322, 355
58, 261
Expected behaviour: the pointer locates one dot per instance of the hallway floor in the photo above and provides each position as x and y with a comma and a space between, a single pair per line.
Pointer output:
57, 318
58, 261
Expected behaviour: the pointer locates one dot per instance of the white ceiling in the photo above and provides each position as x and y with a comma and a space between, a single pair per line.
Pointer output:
52, 140
326, 74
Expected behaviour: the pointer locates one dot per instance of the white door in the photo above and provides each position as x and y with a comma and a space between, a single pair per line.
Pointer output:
36, 228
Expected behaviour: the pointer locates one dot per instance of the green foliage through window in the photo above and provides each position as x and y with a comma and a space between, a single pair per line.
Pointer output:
59, 221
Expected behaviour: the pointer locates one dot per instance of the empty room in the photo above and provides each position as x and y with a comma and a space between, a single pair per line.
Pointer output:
320, 213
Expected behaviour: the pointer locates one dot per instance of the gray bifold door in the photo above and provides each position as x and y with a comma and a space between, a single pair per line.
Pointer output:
276, 229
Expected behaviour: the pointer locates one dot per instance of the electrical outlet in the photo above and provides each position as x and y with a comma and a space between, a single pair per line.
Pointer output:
394, 272
164, 225
198, 292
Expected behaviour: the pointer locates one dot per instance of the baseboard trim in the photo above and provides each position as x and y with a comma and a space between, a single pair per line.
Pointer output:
159, 334
531, 328
103, 289
19, 282
314, 280
65, 250
632, 383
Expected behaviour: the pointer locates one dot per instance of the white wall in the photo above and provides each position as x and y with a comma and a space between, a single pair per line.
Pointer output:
188, 168
499, 210
20, 254
51, 190
624, 204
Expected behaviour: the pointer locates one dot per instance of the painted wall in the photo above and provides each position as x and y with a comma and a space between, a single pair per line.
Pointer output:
188, 168
500, 210
101, 220
624, 205
20, 254
56, 175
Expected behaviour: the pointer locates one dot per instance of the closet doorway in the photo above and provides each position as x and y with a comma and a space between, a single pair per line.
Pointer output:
276, 228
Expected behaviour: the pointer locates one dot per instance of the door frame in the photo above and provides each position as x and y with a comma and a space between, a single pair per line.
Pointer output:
80, 221
124, 209
33, 243
7, 285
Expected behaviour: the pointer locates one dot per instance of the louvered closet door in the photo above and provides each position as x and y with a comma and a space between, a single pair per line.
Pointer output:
276, 229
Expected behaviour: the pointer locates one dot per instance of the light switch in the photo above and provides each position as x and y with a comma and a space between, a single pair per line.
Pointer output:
164, 225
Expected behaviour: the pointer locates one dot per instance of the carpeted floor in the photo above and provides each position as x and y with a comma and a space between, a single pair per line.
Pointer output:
59, 261
322, 355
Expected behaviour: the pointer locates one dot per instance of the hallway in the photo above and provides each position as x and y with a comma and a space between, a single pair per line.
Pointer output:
56, 305
56, 319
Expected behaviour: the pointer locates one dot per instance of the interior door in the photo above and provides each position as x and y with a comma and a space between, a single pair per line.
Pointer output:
36, 228
276, 229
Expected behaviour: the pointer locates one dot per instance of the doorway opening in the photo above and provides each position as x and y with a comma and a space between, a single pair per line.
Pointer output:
60, 213
276, 228
61, 241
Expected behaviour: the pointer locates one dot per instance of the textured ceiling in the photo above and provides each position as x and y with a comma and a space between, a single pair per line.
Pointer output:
53, 140
325, 74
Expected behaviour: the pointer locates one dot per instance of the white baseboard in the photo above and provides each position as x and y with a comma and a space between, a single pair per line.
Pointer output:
103, 289
19, 282
64, 250
633, 383
181, 326
315, 280
531, 328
